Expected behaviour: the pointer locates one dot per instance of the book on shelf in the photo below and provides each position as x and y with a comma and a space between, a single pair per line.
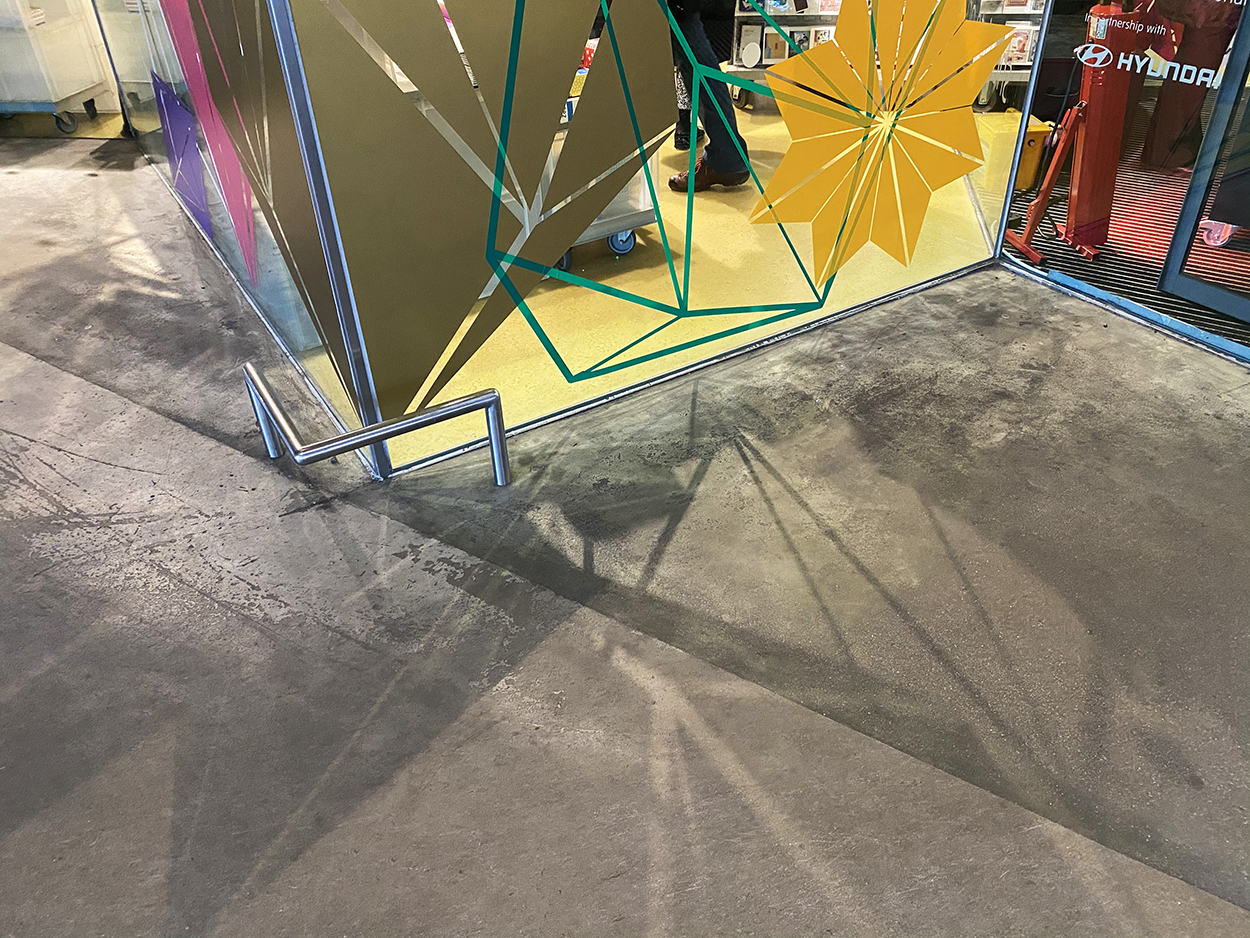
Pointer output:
789, 7
1021, 43
1017, 5
776, 48
801, 39
822, 34
750, 44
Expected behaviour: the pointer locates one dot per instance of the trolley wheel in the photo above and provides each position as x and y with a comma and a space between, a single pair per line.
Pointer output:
742, 99
565, 261
1216, 233
66, 122
622, 242
90, 108
985, 97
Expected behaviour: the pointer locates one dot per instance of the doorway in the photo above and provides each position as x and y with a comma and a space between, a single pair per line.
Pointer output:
1154, 80
1210, 252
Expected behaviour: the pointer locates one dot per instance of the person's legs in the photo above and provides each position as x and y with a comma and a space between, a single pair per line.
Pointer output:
722, 162
683, 75
681, 133
721, 154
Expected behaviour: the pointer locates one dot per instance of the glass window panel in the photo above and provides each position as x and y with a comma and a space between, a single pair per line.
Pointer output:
1220, 254
200, 157
1146, 74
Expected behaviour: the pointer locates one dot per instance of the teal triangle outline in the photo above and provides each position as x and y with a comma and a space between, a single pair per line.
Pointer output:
502, 261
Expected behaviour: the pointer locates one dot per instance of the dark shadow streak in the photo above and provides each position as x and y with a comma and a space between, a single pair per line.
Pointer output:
983, 615
913, 625
835, 629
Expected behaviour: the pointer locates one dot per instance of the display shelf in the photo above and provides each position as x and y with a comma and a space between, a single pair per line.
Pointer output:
1024, 17
771, 48
999, 8
1018, 75
812, 18
814, 8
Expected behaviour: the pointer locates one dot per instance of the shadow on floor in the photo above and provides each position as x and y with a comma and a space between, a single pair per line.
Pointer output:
998, 529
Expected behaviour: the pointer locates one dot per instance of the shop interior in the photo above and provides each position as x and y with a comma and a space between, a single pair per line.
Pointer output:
732, 262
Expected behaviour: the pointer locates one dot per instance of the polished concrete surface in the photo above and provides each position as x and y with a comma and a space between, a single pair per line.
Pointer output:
1001, 531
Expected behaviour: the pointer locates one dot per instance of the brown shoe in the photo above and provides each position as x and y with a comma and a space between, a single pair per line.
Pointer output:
705, 177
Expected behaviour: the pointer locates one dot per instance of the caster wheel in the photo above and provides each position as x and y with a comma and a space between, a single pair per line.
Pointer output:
565, 261
622, 242
90, 108
1216, 233
985, 98
66, 122
742, 99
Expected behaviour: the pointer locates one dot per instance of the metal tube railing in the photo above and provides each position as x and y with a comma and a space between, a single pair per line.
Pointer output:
278, 431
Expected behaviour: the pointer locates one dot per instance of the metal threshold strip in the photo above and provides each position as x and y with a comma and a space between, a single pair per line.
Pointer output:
684, 370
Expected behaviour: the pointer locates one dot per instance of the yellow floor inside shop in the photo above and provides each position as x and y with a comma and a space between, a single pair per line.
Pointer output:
733, 263
103, 127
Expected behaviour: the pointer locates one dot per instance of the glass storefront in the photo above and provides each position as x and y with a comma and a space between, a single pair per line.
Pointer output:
430, 197
217, 150
859, 209
139, 46
1140, 90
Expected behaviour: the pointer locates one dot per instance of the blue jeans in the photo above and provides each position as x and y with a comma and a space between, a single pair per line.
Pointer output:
721, 154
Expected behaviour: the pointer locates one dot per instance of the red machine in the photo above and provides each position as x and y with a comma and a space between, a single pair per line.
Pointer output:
1093, 129
1037, 208
1104, 89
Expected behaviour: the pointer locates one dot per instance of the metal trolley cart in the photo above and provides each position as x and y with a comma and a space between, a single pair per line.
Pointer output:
51, 62
632, 208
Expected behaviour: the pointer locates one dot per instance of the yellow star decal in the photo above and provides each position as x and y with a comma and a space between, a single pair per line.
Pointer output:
879, 118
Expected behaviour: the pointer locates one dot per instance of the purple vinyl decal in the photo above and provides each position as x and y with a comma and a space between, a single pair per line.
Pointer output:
185, 166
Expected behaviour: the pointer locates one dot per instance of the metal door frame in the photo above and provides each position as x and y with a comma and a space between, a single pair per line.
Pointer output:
1021, 136
1173, 279
327, 225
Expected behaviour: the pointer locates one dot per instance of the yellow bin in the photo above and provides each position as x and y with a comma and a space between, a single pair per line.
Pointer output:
998, 138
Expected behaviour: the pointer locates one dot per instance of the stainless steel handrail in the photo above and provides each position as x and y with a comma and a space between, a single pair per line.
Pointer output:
278, 431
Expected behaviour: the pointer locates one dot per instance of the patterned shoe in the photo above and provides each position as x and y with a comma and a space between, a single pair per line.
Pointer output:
705, 177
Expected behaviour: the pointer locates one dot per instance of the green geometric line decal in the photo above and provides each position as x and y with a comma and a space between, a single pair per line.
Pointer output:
506, 260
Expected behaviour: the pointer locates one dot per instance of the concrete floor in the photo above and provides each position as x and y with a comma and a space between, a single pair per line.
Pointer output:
1003, 532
